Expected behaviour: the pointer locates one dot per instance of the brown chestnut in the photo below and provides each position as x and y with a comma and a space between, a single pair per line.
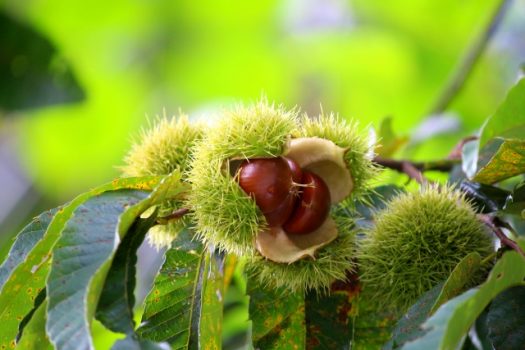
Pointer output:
270, 182
297, 172
312, 209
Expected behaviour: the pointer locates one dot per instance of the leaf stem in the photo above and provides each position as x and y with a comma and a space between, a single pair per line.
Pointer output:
465, 67
489, 258
177, 214
492, 223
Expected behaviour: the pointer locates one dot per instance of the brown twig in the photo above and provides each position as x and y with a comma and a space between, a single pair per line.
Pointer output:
493, 224
177, 214
413, 173
444, 165
455, 154
415, 170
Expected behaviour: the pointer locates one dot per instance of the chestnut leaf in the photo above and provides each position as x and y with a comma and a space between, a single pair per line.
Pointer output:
184, 307
31, 272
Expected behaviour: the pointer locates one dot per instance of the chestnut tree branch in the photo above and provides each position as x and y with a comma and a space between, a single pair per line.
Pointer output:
177, 214
415, 169
494, 224
413, 172
465, 67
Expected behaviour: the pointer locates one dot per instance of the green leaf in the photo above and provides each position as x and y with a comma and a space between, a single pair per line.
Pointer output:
34, 336
409, 326
481, 332
506, 319
212, 302
509, 120
184, 307
29, 277
486, 198
506, 162
87, 243
131, 342
515, 204
41, 297
25, 241
83, 256
328, 316
389, 142
290, 334
115, 306
452, 321
460, 277
32, 74
271, 311
371, 328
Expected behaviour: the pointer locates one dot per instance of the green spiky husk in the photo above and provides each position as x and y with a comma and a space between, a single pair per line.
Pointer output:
164, 147
333, 262
346, 135
224, 215
416, 242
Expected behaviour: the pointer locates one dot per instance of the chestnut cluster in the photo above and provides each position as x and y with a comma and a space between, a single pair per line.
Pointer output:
289, 197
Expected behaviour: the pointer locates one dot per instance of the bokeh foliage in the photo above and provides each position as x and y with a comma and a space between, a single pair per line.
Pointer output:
362, 59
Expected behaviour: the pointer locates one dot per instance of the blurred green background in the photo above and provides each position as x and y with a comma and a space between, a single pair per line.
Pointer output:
79, 78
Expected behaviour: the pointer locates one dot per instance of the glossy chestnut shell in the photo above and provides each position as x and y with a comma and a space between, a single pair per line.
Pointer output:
269, 181
313, 207
297, 200
297, 172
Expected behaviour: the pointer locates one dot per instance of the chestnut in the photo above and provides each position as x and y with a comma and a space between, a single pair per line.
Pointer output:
270, 182
297, 172
312, 209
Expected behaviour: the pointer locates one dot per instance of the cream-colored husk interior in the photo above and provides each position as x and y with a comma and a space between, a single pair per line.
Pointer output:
278, 246
325, 159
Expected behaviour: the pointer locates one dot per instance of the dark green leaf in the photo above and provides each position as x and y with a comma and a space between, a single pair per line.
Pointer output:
115, 306
481, 332
486, 198
212, 302
41, 297
516, 202
34, 336
87, 243
408, 327
184, 307
452, 321
290, 334
171, 301
328, 316
29, 277
84, 253
509, 120
506, 319
25, 241
272, 311
133, 343
32, 74
371, 328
